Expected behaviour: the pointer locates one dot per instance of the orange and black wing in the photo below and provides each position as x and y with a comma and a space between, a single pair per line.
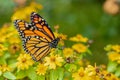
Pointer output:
35, 42
38, 22
24, 28
37, 47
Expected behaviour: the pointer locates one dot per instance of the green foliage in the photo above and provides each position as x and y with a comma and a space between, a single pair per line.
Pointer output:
112, 66
57, 74
9, 75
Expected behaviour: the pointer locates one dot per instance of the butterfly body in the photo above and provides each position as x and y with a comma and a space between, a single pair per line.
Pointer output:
37, 36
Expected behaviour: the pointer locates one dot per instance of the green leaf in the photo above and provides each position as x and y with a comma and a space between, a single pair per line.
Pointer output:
41, 77
9, 75
2, 60
70, 67
89, 51
21, 74
60, 72
53, 75
68, 75
57, 74
13, 65
33, 76
67, 66
6, 55
112, 66
0, 73
2, 78
117, 72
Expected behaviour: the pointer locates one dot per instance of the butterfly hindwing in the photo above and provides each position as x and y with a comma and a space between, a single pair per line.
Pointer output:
37, 47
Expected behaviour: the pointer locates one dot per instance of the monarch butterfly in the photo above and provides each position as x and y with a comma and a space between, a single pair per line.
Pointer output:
37, 36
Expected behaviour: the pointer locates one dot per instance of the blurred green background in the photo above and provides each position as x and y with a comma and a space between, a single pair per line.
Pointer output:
85, 17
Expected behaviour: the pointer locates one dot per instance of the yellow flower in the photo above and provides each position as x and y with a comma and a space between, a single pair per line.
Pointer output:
56, 34
92, 73
62, 36
14, 40
116, 48
113, 56
41, 69
68, 52
2, 49
113, 77
4, 68
5, 29
14, 48
80, 48
27, 11
53, 61
24, 61
90, 70
80, 75
108, 76
6, 32
61, 42
79, 38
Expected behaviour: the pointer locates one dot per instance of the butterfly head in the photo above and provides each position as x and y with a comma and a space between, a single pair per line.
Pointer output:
54, 43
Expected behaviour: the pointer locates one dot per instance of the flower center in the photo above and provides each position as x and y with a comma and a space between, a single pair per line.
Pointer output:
81, 74
14, 47
53, 59
23, 60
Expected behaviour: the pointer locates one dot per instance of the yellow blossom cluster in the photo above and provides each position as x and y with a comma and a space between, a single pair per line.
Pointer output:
79, 38
113, 52
79, 46
41, 69
68, 52
24, 12
7, 31
50, 62
2, 49
53, 61
93, 73
4, 68
24, 61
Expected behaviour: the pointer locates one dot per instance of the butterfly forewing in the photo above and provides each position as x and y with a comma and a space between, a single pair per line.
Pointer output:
24, 28
40, 23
